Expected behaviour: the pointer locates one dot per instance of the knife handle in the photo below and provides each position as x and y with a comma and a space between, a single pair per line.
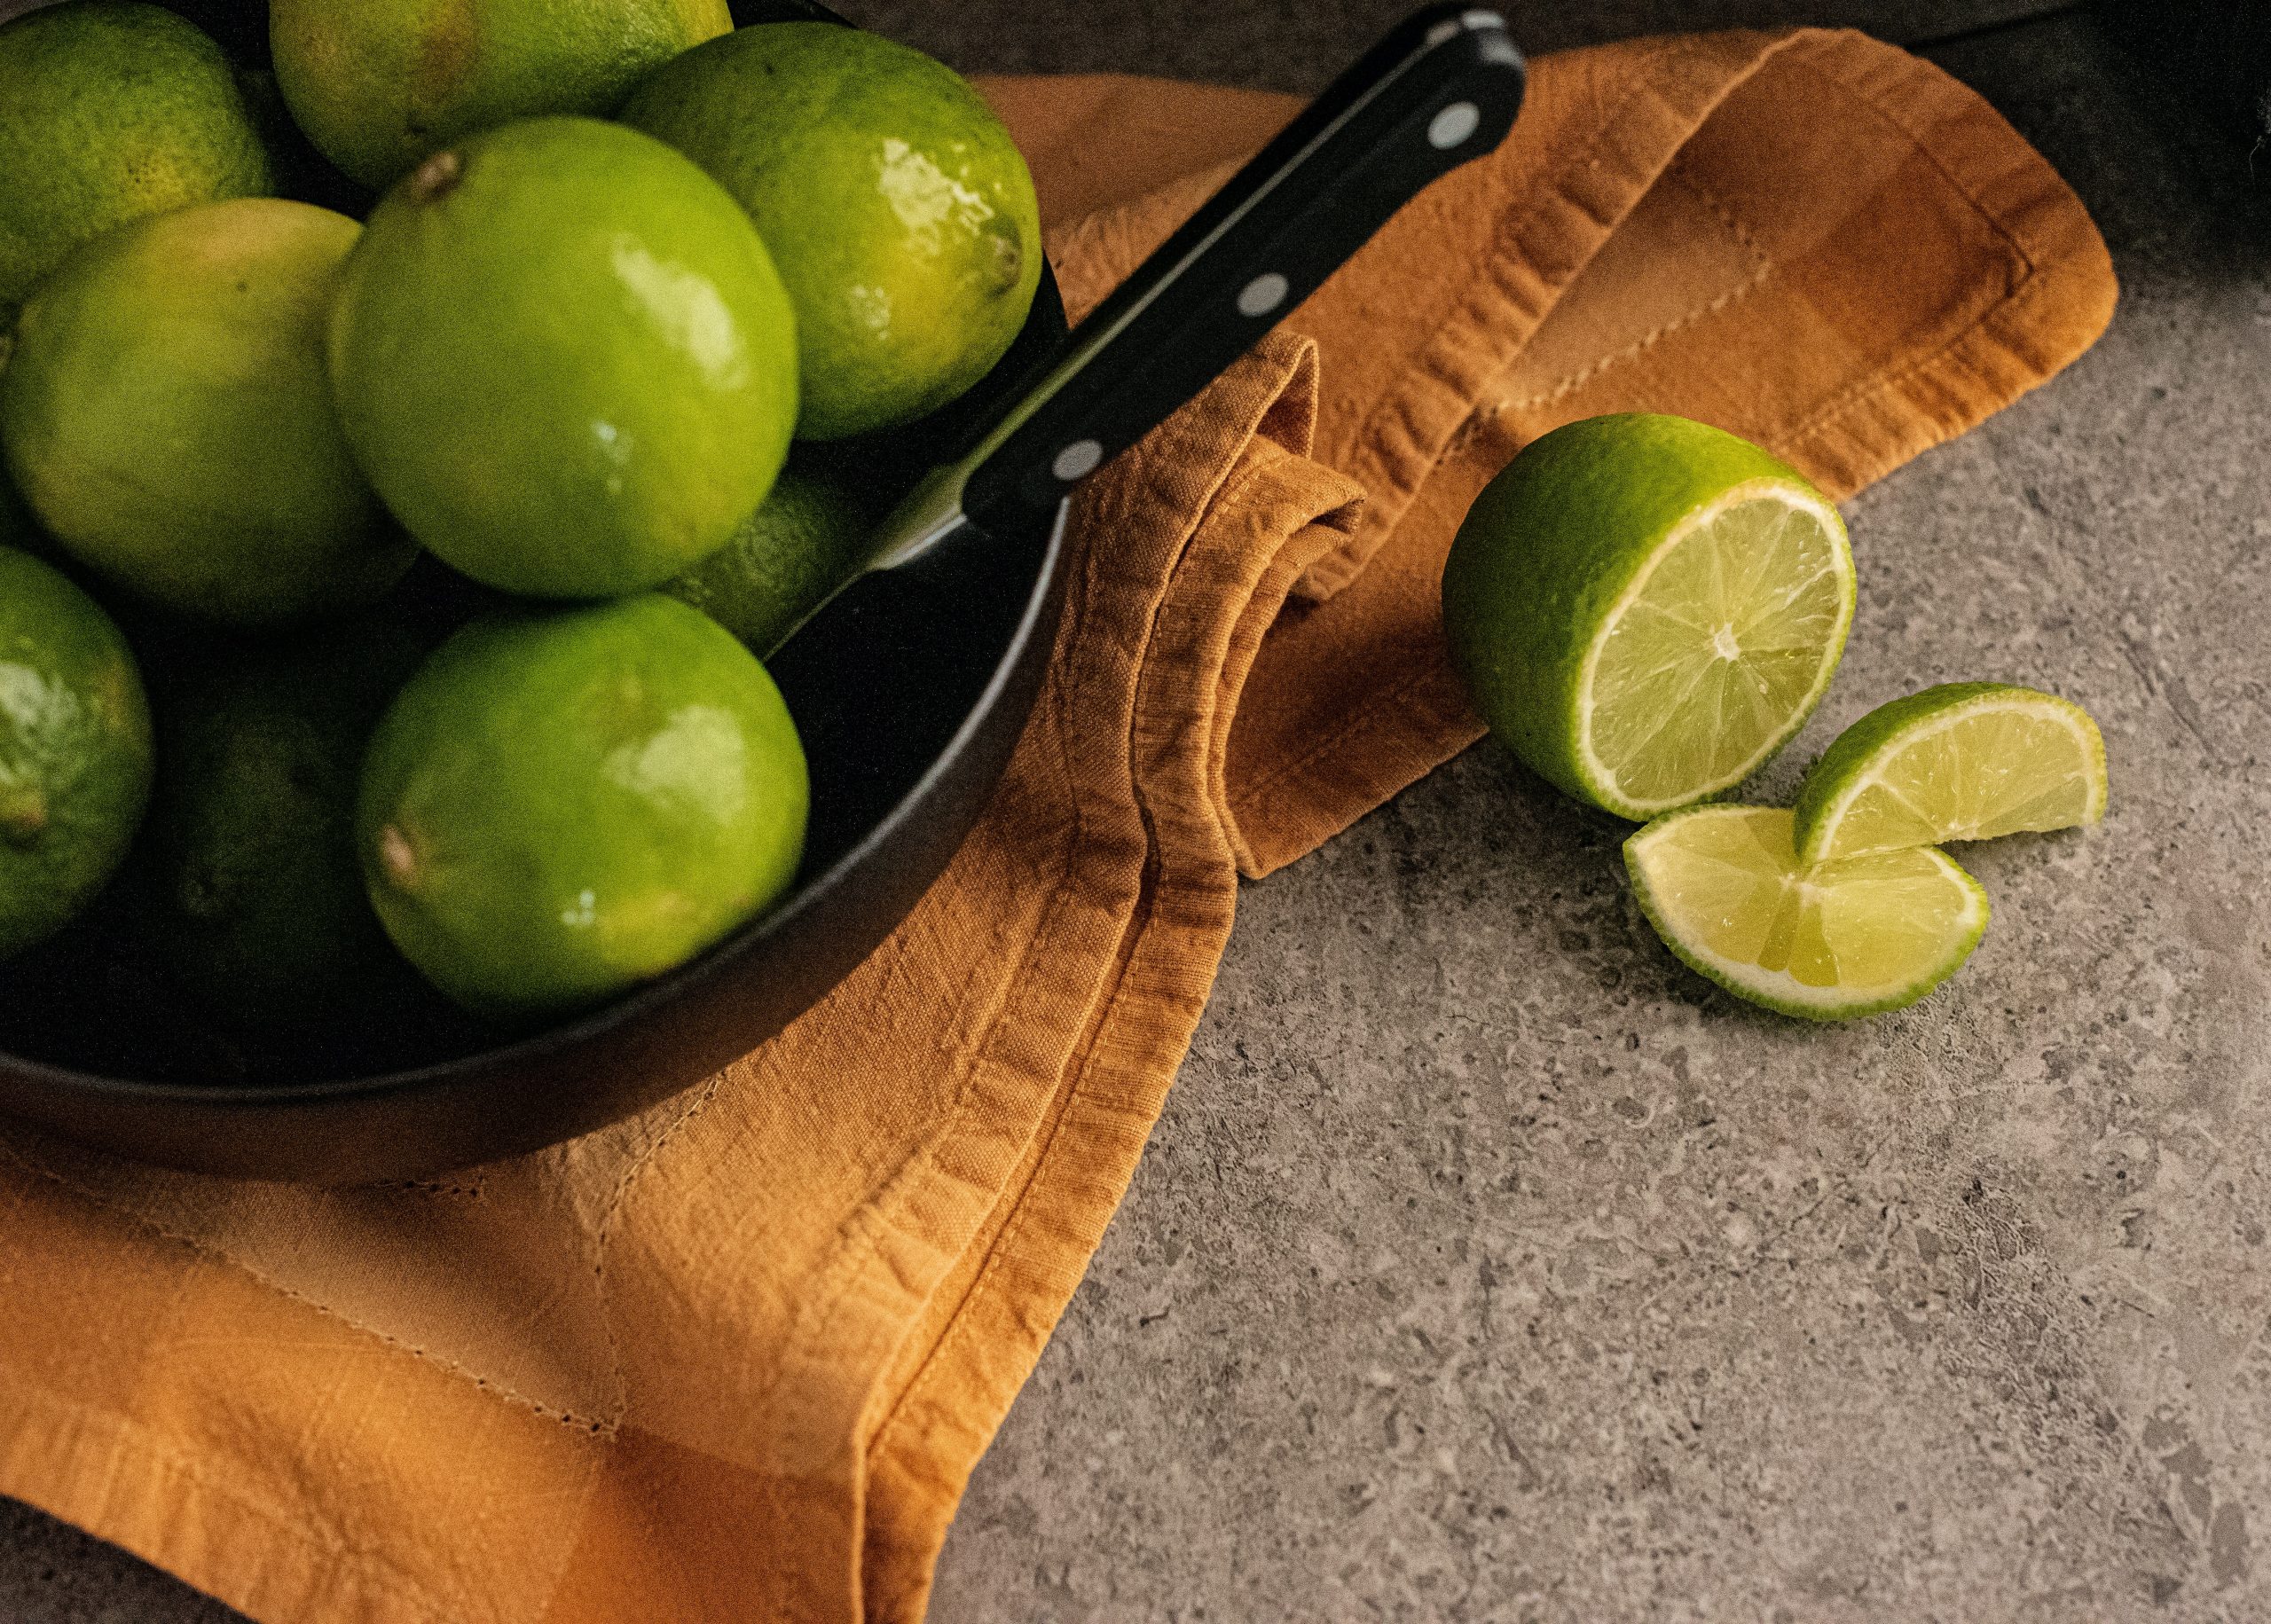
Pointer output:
1442, 88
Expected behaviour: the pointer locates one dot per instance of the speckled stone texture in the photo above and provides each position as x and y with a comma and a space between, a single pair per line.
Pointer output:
1486, 1266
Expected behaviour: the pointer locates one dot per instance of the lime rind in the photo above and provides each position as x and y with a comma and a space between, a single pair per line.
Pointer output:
1602, 781
1915, 887
1571, 577
1901, 775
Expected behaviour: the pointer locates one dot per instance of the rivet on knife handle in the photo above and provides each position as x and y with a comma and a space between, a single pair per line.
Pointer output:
1441, 89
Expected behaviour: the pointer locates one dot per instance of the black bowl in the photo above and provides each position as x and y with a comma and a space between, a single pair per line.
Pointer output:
908, 710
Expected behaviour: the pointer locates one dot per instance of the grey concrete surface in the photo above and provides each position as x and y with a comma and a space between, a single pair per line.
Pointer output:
1485, 1265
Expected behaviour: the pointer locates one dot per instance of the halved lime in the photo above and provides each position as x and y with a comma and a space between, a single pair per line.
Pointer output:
1962, 761
1724, 887
1646, 608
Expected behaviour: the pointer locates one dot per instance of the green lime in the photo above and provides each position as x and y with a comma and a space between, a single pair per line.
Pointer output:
380, 84
563, 357
1724, 887
75, 750
109, 111
783, 563
1646, 608
565, 803
1962, 761
166, 415
258, 906
895, 203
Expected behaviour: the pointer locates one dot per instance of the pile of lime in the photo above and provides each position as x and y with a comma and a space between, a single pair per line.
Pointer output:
603, 265
1645, 609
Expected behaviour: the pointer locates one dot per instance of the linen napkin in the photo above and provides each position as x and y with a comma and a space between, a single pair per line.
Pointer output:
735, 1359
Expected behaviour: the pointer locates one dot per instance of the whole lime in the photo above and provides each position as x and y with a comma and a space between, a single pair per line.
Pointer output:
898, 207
108, 111
783, 563
168, 417
256, 897
564, 802
380, 84
565, 360
75, 750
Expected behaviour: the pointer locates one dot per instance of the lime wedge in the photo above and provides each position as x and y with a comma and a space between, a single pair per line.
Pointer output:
1724, 888
1646, 608
1964, 761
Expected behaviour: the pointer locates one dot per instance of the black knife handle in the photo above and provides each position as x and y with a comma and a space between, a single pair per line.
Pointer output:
1443, 88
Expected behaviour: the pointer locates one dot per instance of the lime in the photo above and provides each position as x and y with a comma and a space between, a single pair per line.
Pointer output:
1962, 761
566, 361
1646, 608
380, 84
109, 111
75, 750
166, 415
781, 564
258, 907
1724, 888
565, 801
895, 203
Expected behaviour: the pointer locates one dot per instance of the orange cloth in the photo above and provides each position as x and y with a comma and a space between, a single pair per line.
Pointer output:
735, 1359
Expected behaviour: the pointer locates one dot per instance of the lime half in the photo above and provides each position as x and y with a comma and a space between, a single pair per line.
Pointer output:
1646, 608
1963, 761
1724, 887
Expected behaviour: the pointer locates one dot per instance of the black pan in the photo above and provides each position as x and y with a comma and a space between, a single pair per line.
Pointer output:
909, 688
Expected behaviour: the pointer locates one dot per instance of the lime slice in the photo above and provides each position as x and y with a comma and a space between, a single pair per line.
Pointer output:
1724, 888
1646, 608
1963, 761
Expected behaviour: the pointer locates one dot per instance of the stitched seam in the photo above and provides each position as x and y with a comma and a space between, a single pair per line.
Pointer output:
1885, 115
1762, 268
211, 1255
1504, 245
1379, 705
2024, 292
958, 1324
295, 1526
1228, 694
819, 1313
604, 1237
1631, 352
1682, 169
605, 1233
2022, 286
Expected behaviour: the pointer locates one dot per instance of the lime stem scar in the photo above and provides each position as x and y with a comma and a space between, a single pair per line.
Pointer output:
23, 815
437, 176
399, 857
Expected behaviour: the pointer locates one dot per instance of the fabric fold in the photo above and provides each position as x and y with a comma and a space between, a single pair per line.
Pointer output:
736, 1358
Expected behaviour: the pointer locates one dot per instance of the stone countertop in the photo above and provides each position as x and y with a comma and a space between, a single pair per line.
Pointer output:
1484, 1265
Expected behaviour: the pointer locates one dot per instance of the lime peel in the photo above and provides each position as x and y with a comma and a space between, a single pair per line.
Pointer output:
1723, 887
1645, 608
1961, 761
